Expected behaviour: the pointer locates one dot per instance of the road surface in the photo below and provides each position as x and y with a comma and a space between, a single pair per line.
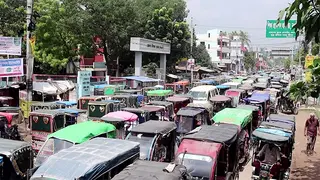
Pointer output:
303, 167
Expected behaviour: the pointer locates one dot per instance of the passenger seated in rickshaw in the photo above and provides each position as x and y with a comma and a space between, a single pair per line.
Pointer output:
271, 154
154, 116
244, 140
160, 151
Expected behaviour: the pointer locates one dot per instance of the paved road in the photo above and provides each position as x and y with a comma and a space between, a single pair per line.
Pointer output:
303, 167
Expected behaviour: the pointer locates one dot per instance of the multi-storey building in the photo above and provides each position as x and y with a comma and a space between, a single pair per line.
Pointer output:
218, 47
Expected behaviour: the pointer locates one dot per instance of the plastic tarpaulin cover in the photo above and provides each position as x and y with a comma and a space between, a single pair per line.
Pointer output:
87, 160
240, 117
127, 116
271, 134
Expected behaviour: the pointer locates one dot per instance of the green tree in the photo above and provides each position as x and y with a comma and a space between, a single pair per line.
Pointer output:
12, 17
163, 27
244, 38
249, 60
201, 56
287, 63
55, 40
151, 69
307, 13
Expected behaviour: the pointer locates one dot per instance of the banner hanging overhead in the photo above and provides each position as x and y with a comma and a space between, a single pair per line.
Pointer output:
10, 46
11, 67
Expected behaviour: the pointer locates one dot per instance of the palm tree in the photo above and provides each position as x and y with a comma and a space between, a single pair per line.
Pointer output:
232, 34
244, 38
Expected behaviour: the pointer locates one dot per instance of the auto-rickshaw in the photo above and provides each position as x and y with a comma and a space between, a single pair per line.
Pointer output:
182, 87
143, 115
260, 86
236, 94
72, 135
158, 95
126, 100
220, 102
256, 117
247, 88
83, 101
178, 102
188, 118
198, 83
97, 109
124, 121
207, 106
282, 140
263, 95
168, 114
261, 103
44, 106
274, 97
155, 112
93, 159
66, 104
16, 158
157, 140
73, 116
208, 82
43, 123
147, 170
210, 152
243, 119
233, 85
283, 119
222, 89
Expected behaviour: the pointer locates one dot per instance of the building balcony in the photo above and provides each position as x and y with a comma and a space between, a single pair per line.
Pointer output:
224, 49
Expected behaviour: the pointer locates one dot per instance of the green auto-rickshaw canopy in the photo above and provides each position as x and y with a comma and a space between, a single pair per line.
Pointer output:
160, 93
79, 133
237, 116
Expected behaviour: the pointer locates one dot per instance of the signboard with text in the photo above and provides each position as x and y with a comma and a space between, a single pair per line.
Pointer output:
83, 83
280, 30
150, 46
10, 46
11, 67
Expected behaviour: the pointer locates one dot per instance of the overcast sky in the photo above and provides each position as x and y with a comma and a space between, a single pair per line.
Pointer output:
246, 15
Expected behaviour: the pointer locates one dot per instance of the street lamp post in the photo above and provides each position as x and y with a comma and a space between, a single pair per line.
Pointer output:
29, 58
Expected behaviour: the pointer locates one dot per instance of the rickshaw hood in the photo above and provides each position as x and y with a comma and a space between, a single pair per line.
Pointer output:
191, 146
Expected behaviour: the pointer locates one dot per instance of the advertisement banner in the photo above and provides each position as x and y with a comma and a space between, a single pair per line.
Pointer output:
83, 83
11, 67
308, 61
10, 46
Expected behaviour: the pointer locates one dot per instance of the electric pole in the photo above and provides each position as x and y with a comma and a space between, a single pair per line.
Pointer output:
29, 58
191, 46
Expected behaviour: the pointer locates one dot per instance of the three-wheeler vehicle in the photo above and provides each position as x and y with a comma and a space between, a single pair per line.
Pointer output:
256, 116
147, 170
188, 118
16, 158
232, 85
168, 111
98, 158
179, 102
43, 123
222, 89
260, 86
155, 112
210, 152
97, 109
72, 135
124, 121
66, 104
143, 115
206, 106
83, 101
220, 102
126, 100
274, 98
243, 119
281, 140
74, 116
237, 95
158, 95
262, 104
44, 105
247, 88
157, 140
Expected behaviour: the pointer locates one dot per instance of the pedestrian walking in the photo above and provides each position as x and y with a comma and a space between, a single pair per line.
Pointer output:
310, 131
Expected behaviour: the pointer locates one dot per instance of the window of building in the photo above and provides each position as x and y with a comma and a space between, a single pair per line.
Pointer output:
208, 35
203, 43
208, 46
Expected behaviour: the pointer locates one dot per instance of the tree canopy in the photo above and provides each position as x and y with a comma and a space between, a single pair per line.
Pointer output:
12, 17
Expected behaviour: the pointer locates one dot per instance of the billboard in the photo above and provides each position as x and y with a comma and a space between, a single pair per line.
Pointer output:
10, 46
83, 83
279, 30
11, 67
150, 46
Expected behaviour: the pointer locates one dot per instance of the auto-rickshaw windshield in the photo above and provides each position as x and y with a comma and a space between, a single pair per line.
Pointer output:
197, 165
185, 124
50, 147
145, 143
198, 95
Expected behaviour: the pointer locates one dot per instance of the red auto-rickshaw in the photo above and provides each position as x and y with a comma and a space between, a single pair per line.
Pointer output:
210, 152
178, 102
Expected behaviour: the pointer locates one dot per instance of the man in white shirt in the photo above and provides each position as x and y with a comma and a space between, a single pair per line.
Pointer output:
271, 153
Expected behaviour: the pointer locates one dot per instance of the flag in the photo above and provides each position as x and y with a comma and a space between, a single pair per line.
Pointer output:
33, 44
